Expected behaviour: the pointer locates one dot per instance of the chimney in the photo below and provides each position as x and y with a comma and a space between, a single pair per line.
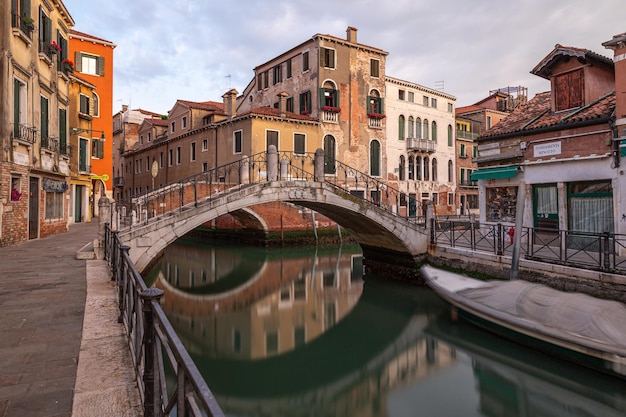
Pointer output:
351, 34
124, 108
230, 101
618, 45
282, 104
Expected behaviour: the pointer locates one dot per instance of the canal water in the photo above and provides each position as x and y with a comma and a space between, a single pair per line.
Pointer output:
304, 332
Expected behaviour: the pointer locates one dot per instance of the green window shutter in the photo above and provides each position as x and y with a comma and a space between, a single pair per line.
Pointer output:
14, 20
16, 108
78, 61
100, 66
44, 118
62, 131
322, 97
26, 8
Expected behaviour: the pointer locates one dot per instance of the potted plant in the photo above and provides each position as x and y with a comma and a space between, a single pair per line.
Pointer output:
54, 48
332, 109
29, 23
375, 115
67, 65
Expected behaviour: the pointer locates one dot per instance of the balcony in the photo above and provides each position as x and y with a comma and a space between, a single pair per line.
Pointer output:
462, 134
422, 145
330, 116
24, 133
467, 183
118, 182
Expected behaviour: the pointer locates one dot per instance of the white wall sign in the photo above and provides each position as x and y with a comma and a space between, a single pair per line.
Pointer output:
547, 149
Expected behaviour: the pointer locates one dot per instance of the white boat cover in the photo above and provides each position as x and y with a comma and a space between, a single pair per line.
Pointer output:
574, 313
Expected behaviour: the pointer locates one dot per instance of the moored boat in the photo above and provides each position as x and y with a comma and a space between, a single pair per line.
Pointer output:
587, 330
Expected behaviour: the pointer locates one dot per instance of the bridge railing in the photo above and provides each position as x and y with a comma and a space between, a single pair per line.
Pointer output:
265, 166
169, 382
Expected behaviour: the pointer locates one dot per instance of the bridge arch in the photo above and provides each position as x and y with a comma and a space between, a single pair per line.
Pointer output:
381, 234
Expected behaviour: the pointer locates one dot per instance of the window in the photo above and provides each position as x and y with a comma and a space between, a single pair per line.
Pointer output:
19, 110
205, 166
401, 168
329, 155
425, 101
237, 141
178, 155
44, 120
501, 203
411, 163
141, 139
138, 166
474, 151
434, 177
277, 74
62, 55
411, 97
289, 104
305, 103
54, 205
462, 176
450, 108
97, 148
259, 82
63, 148
271, 138
418, 169
288, 66
401, 127
327, 57
488, 122
411, 127
148, 164
375, 158
173, 127
434, 135
170, 157
374, 103
161, 160
205, 145
329, 95
375, 68
401, 95
45, 32
305, 61
436, 198
433, 103
450, 171
83, 147
149, 136
426, 129
569, 90
299, 143
84, 104
462, 151
418, 128
426, 168
89, 64
450, 199
192, 151
266, 79
450, 137
184, 122
94, 109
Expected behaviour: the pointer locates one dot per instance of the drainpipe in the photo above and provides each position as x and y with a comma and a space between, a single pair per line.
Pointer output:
616, 142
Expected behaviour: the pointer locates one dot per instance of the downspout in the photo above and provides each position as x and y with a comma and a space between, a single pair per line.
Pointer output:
616, 143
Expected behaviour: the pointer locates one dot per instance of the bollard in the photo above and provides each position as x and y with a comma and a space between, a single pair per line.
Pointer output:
150, 407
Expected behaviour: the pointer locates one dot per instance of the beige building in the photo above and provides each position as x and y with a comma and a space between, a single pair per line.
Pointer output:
34, 107
420, 146
338, 82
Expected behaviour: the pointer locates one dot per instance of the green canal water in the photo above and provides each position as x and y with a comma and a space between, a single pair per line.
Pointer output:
308, 332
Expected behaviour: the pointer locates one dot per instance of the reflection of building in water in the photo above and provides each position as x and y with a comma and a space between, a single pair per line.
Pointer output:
285, 302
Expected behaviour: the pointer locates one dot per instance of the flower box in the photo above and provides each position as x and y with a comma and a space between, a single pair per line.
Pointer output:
376, 115
67, 65
331, 109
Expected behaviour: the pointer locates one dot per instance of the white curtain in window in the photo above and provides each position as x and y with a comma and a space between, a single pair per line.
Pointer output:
547, 200
593, 215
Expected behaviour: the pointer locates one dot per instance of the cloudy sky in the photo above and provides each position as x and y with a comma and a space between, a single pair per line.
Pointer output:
197, 50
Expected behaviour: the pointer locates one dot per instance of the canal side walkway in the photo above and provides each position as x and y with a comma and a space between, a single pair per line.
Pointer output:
63, 352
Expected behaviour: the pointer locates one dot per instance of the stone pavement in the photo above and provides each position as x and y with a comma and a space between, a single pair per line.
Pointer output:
63, 352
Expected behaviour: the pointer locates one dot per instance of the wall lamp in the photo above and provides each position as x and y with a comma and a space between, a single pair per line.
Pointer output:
78, 130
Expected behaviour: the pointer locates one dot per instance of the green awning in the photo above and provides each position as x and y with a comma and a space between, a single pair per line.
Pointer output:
493, 173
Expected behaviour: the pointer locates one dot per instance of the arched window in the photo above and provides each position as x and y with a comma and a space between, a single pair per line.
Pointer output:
411, 163
411, 127
329, 155
401, 168
401, 127
426, 168
418, 128
434, 135
450, 171
425, 130
374, 102
375, 158
418, 169
450, 137
329, 95
434, 177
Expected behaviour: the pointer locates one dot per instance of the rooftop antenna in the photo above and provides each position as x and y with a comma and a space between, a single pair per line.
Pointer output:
439, 85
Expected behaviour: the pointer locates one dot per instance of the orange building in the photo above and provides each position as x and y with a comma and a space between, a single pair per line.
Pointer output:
93, 62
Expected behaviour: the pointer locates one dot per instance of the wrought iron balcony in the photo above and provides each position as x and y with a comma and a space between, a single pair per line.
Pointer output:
24, 133
462, 134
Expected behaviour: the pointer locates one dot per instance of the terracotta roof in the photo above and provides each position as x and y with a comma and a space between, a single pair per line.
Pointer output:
142, 111
561, 53
157, 122
537, 114
77, 34
204, 105
467, 109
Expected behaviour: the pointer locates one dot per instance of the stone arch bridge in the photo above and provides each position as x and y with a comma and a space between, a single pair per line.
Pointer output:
390, 242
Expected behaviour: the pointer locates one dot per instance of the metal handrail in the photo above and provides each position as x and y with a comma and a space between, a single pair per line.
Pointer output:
154, 344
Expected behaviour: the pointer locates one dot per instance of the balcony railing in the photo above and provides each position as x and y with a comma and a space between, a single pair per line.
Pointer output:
424, 145
50, 143
462, 134
468, 183
330, 116
118, 181
24, 133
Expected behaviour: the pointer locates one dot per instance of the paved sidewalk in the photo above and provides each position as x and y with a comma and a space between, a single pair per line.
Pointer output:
45, 292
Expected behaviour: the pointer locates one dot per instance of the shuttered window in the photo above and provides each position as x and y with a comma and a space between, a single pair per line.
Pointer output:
569, 90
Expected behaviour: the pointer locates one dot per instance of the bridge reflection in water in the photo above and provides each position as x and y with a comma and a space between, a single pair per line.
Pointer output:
295, 332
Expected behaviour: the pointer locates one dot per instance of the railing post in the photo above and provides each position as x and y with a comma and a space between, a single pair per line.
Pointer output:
272, 163
113, 257
318, 166
150, 405
121, 281
499, 239
607, 252
284, 174
432, 231
244, 171
472, 219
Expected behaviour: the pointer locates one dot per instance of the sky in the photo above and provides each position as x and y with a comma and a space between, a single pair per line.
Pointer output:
197, 50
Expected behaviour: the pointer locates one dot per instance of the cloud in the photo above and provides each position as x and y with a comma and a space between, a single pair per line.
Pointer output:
197, 50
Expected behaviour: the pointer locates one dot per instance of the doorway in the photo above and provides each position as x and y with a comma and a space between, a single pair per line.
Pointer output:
33, 208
